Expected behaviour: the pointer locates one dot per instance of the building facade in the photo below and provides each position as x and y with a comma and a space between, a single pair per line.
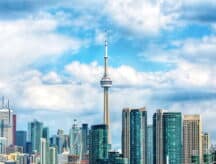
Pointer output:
35, 130
167, 137
98, 144
150, 144
192, 138
6, 125
21, 138
84, 137
134, 135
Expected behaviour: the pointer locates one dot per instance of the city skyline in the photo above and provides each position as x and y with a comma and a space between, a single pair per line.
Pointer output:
51, 57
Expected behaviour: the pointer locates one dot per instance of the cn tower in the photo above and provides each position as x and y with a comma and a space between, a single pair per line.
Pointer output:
106, 83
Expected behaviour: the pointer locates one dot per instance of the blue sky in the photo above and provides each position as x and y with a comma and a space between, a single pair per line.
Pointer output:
161, 55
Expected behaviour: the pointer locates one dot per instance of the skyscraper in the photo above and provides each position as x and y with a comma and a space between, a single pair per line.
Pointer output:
14, 129
150, 144
56, 141
98, 145
134, 135
45, 133
167, 137
21, 139
53, 159
75, 140
84, 137
106, 83
43, 151
6, 124
158, 144
192, 139
205, 143
34, 134
206, 148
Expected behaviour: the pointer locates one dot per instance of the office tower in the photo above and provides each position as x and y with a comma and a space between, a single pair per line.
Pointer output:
192, 141
75, 140
3, 145
205, 143
53, 159
34, 134
6, 124
106, 83
158, 157
150, 144
56, 141
28, 148
84, 137
172, 137
21, 139
14, 129
206, 148
45, 133
43, 151
167, 137
98, 144
134, 135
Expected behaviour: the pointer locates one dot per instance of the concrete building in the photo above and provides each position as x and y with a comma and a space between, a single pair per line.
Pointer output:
192, 138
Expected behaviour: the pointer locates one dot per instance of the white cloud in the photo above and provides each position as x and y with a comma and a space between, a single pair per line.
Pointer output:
24, 41
142, 17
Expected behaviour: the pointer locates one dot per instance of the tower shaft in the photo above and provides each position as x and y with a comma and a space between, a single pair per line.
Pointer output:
106, 83
106, 112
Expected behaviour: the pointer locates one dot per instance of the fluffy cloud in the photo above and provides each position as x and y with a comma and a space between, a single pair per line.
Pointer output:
26, 40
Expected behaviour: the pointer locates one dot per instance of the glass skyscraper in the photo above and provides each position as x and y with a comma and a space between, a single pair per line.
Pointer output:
167, 137
75, 140
21, 139
150, 144
98, 146
172, 137
84, 133
34, 134
134, 135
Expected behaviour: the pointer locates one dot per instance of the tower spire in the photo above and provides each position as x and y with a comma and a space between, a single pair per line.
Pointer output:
106, 83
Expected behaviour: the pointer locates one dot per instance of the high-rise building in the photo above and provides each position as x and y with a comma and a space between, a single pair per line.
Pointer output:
53, 159
134, 135
206, 147
106, 83
205, 143
150, 144
84, 137
56, 141
28, 147
192, 138
75, 140
21, 137
158, 144
167, 137
172, 125
6, 125
44, 151
14, 129
98, 144
35, 129
45, 133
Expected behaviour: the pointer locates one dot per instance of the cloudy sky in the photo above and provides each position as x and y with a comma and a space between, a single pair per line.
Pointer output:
162, 55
